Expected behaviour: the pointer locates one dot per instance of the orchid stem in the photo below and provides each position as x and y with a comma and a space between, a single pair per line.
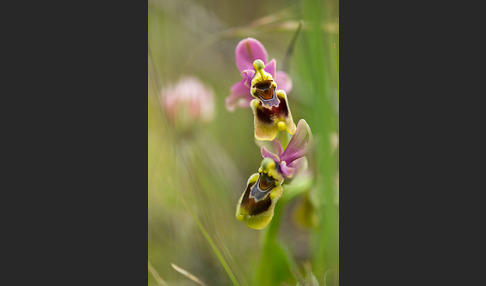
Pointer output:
267, 274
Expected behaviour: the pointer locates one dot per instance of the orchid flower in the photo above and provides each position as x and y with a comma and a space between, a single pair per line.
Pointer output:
246, 52
256, 205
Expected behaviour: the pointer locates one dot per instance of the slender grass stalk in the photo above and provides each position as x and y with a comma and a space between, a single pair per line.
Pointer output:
188, 274
156, 275
210, 240
317, 64
290, 49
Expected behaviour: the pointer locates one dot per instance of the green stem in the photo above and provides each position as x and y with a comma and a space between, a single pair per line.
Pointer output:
273, 260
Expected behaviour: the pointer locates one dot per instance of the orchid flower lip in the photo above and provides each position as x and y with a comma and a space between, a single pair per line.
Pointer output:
252, 206
267, 120
263, 87
261, 189
265, 91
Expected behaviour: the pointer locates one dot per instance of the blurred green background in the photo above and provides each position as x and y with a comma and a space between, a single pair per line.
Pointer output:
196, 177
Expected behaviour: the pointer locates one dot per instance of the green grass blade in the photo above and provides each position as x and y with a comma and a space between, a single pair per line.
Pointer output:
210, 240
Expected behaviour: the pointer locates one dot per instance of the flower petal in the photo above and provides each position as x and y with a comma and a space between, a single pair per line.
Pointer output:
266, 93
240, 96
277, 147
247, 51
247, 76
268, 121
261, 189
283, 81
300, 163
274, 146
299, 144
268, 154
289, 171
285, 115
271, 67
264, 122
257, 215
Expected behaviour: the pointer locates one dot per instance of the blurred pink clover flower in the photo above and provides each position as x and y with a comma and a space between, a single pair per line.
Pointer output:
187, 102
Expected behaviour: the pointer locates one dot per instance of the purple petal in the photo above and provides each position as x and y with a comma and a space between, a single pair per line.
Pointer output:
283, 81
240, 96
299, 144
287, 171
271, 67
268, 154
297, 165
247, 51
274, 146
247, 77
277, 146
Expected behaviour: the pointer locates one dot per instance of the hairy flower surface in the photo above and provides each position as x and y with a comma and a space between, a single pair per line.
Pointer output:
246, 52
289, 161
